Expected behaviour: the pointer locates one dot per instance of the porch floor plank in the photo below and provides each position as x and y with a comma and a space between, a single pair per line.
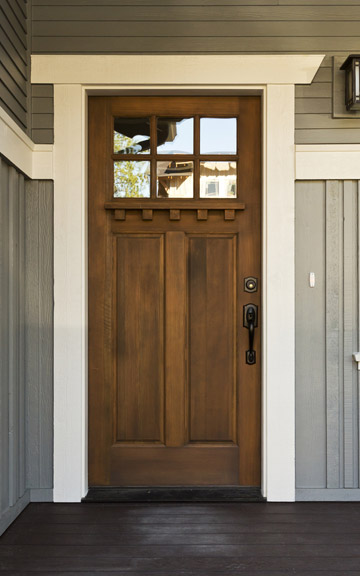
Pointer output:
265, 539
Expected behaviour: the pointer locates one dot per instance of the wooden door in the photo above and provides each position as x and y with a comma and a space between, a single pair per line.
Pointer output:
173, 234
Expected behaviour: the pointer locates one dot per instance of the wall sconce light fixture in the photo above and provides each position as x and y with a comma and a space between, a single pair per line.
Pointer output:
352, 81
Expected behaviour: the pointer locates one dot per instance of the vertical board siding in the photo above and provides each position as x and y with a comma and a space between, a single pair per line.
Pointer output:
14, 60
210, 26
12, 435
310, 336
4, 349
333, 329
26, 302
327, 316
39, 333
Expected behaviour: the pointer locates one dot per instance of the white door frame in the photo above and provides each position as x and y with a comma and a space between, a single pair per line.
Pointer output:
74, 78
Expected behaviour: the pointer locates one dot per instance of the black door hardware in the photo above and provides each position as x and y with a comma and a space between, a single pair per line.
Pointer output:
250, 322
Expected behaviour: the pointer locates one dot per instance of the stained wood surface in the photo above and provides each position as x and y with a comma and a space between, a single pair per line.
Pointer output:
212, 336
181, 539
140, 339
177, 406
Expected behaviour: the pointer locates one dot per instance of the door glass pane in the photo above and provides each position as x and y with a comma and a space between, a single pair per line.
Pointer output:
131, 179
175, 135
217, 135
175, 179
131, 135
217, 179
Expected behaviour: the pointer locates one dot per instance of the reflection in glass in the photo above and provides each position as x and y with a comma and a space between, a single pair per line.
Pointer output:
217, 179
175, 179
131, 179
175, 135
217, 135
131, 135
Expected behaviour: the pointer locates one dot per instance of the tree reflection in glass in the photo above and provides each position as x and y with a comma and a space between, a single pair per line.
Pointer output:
131, 179
131, 135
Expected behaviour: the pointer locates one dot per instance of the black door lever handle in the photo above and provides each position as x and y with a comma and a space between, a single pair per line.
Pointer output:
250, 322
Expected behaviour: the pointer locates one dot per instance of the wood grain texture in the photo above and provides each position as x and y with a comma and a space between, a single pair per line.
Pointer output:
175, 329
212, 343
184, 540
174, 466
201, 272
140, 338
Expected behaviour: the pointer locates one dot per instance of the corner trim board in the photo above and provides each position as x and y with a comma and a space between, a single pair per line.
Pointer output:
34, 160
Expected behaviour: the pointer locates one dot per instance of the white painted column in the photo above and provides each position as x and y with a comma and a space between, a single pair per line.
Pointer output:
70, 319
279, 325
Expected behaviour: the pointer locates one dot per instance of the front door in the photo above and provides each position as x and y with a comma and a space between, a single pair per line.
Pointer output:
174, 262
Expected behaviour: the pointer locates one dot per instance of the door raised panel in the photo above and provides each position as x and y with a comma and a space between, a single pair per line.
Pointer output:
212, 338
140, 338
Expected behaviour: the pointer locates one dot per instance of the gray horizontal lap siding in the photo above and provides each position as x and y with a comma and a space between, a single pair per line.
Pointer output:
26, 351
14, 57
42, 114
208, 26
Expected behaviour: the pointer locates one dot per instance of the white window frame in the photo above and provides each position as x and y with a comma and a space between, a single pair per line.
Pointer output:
75, 78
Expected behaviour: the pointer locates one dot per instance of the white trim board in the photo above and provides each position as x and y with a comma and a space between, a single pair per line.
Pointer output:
328, 162
34, 160
75, 77
174, 70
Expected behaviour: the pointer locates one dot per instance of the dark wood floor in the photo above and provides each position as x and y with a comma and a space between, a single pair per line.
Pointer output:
300, 539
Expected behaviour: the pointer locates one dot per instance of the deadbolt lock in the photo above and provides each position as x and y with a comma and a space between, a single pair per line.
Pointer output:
250, 284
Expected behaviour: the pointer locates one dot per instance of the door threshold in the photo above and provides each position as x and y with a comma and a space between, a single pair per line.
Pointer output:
174, 494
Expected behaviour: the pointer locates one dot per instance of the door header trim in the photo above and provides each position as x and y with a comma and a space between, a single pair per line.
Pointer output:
175, 70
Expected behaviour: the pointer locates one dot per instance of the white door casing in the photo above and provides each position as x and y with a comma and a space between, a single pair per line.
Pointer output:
74, 78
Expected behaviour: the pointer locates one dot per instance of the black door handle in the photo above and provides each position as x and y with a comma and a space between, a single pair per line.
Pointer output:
250, 322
